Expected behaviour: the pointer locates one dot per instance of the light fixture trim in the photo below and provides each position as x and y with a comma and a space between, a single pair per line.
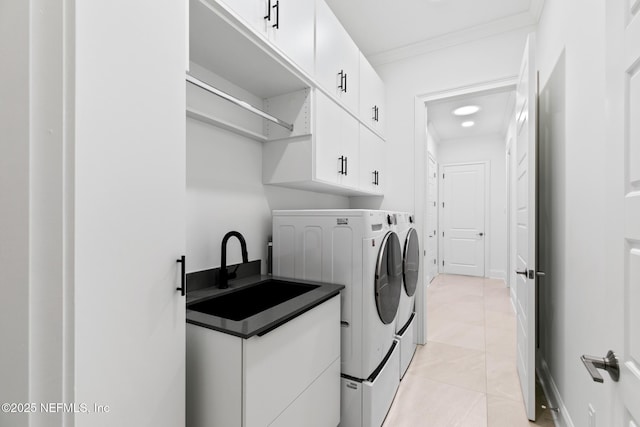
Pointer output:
466, 110
468, 124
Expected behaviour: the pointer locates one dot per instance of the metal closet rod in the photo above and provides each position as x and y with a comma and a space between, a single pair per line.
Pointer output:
234, 100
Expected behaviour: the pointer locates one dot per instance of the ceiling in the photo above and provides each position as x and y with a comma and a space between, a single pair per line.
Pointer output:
496, 107
382, 26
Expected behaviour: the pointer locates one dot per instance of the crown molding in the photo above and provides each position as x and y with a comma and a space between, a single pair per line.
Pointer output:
499, 26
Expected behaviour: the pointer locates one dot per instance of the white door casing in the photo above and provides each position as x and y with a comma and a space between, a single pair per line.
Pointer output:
463, 219
526, 146
623, 205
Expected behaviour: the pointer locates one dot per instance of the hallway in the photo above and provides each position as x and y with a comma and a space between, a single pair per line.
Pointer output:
466, 373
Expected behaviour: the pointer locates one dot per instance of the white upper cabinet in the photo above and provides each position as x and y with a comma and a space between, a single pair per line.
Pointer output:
291, 28
337, 58
253, 12
372, 97
336, 145
288, 24
372, 173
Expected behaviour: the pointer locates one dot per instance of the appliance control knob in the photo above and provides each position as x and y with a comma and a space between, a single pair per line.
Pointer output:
389, 221
411, 219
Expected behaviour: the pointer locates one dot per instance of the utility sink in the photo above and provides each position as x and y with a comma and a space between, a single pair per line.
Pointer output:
250, 300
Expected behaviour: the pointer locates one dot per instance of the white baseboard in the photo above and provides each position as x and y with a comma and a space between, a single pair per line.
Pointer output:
561, 418
498, 274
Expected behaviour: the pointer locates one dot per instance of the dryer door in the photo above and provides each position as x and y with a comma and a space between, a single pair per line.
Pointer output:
388, 278
411, 262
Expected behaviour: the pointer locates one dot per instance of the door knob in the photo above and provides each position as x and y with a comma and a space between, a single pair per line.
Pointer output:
540, 273
608, 363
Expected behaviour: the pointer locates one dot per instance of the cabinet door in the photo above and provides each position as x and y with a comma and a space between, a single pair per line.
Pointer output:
336, 143
372, 96
371, 161
253, 12
291, 28
337, 58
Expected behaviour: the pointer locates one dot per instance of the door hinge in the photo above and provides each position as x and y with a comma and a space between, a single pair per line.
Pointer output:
442, 176
443, 234
434, 262
434, 204
443, 263
443, 204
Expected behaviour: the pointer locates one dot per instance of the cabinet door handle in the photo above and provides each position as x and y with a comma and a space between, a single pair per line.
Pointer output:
341, 85
345, 82
341, 171
375, 178
346, 164
268, 15
183, 275
374, 113
277, 8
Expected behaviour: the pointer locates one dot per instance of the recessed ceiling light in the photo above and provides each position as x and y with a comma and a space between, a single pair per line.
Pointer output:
468, 124
466, 110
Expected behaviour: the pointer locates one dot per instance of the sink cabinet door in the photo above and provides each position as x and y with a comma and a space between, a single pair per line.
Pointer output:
283, 365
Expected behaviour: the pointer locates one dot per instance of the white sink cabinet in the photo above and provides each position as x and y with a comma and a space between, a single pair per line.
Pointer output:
288, 377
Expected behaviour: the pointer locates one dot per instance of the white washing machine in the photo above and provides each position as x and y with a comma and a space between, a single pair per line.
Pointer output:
358, 249
406, 319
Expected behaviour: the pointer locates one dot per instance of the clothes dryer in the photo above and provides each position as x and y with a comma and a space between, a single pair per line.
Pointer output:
406, 319
358, 249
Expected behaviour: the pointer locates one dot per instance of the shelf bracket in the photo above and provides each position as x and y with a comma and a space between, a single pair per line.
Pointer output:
202, 85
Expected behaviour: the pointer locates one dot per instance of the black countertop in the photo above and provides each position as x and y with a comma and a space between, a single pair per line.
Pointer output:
265, 321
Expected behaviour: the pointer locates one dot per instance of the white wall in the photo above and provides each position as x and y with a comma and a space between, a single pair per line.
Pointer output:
407, 82
34, 248
571, 54
487, 59
492, 150
225, 190
14, 207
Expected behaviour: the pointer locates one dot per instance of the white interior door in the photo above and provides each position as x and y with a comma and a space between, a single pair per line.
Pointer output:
431, 231
463, 212
526, 98
623, 204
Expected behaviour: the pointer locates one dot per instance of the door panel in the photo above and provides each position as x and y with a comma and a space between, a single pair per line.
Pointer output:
623, 171
463, 219
526, 146
432, 219
630, 359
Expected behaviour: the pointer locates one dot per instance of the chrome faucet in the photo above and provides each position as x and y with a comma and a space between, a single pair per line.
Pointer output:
223, 281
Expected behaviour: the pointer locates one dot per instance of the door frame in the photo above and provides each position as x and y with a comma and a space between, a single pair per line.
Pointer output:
420, 149
487, 223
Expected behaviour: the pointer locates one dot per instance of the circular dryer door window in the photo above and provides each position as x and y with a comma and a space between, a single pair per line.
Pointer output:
411, 263
388, 278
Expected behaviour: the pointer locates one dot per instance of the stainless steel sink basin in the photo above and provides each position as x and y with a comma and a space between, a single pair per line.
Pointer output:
251, 300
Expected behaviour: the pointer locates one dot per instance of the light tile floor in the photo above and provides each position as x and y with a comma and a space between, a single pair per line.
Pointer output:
465, 376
